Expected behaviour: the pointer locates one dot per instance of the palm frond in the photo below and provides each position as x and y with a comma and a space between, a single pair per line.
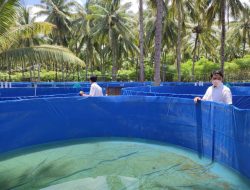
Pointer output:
22, 32
8, 14
45, 54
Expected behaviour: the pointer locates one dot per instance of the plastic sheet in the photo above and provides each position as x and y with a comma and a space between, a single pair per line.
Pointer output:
219, 132
22, 92
241, 95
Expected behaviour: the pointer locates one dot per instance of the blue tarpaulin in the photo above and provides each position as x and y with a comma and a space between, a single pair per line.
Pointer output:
241, 95
116, 84
217, 131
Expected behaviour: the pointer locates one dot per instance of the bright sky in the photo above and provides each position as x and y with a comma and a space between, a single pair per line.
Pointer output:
133, 8
32, 2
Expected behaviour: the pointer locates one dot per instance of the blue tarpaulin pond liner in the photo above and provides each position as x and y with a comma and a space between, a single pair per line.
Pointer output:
241, 95
23, 89
72, 84
216, 131
21, 92
115, 84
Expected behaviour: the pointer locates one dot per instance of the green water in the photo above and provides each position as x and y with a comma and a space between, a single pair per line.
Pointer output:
113, 165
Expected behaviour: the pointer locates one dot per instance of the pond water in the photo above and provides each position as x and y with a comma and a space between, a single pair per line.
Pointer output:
113, 164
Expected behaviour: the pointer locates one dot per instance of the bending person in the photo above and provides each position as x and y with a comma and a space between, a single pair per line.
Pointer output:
95, 89
218, 92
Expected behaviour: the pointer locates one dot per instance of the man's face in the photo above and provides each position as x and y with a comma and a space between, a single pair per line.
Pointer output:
216, 77
216, 80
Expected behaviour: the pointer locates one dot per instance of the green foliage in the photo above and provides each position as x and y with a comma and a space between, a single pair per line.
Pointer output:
202, 69
49, 76
231, 67
235, 70
232, 71
244, 63
186, 70
127, 75
149, 72
171, 73
3, 76
169, 59
204, 66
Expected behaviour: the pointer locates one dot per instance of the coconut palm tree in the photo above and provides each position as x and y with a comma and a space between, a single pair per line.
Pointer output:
201, 37
11, 53
58, 12
217, 10
160, 31
239, 33
141, 41
180, 7
158, 38
82, 36
111, 22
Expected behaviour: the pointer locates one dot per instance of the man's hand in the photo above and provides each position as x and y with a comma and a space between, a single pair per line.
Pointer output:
81, 93
197, 99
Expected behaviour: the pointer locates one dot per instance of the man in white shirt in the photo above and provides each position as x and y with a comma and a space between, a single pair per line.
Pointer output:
217, 92
95, 89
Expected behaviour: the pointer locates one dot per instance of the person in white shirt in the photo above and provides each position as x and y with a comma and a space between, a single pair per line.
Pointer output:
95, 89
218, 92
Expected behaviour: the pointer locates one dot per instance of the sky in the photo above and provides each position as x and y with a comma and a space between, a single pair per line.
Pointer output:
134, 7
32, 2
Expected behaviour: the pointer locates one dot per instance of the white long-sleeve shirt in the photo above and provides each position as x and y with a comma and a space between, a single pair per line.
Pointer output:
95, 90
220, 94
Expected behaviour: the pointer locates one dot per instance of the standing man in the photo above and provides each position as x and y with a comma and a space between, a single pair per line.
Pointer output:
218, 92
95, 89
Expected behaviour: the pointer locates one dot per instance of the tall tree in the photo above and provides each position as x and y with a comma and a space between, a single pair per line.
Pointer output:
180, 9
204, 36
83, 39
239, 33
158, 38
11, 53
58, 12
111, 21
218, 8
141, 41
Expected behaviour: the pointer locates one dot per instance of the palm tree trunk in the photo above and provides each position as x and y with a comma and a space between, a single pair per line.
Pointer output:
30, 74
136, 68
178, 49
113, 49
38, 73
63, 72
158, 37
9, 70
56, 73
164, 67
22, 70
67, 72
141, 39
194, 56
102, 61
86, 69
33, 71
91, 67
78, 73
223, 34
244, 47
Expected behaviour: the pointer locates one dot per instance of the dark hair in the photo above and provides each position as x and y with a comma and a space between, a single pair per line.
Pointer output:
217, 72
93, 78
